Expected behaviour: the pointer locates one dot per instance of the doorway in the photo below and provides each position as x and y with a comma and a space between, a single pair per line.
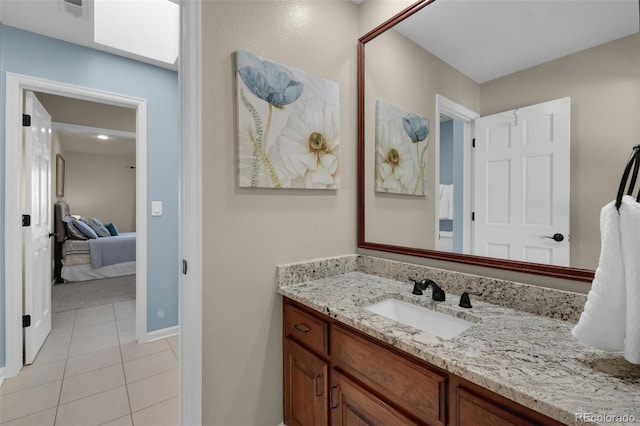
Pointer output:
16, 86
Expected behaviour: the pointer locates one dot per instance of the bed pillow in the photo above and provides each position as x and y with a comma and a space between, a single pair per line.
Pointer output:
112, 229
72, 231
85, 229
97, 226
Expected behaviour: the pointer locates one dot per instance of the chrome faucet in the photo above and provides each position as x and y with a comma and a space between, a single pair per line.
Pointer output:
437, 293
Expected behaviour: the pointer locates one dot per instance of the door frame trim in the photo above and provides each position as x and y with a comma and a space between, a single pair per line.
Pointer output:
190, 280
16, 84
459, 112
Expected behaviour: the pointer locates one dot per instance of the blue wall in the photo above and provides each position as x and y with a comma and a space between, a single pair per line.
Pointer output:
27, 53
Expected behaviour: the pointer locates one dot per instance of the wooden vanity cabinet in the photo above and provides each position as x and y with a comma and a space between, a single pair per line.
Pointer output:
306, 401
353, 405
336, 375
472, 405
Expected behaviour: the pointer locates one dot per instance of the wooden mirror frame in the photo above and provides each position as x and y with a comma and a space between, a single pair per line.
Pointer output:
569, 273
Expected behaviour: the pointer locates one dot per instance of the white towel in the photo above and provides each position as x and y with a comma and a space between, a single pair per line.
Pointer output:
630, 238
602, 323
446, 202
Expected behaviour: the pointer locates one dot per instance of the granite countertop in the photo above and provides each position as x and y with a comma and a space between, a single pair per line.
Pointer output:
531, 359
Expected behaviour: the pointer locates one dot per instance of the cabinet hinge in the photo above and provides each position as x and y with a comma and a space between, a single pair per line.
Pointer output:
473, 216
26, 320
26, 120
473, 143
184, 267
26, 220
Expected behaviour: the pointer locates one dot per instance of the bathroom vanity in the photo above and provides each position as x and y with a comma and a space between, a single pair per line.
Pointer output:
346, 365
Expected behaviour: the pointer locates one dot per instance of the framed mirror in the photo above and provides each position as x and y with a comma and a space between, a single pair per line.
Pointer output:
488, 71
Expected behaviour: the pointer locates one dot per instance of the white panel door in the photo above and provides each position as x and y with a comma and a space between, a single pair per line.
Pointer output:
521, 185
37, 241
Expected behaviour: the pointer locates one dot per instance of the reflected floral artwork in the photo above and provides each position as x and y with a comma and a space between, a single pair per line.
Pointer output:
401, 148
288, 126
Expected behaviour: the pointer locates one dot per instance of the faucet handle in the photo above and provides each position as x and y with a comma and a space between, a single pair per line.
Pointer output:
465, 301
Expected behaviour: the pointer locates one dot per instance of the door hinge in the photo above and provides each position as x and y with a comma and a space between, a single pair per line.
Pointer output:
26, 220
473, 143
26, 120
26, 320
184, 267
473, 216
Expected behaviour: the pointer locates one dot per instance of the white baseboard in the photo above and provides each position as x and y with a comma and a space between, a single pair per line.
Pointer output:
162, 334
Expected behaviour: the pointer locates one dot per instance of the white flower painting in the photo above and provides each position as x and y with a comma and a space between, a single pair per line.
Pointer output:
401, 148
288, 126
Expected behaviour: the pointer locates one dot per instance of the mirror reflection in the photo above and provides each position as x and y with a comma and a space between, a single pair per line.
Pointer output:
550, 91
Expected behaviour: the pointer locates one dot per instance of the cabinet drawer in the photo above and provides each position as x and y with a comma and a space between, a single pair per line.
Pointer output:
406, 384
306, 329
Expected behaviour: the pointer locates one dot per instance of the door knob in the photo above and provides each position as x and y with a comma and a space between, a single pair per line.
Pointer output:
51, 234
556, 237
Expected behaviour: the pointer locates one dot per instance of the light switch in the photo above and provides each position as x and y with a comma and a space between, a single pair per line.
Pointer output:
156, 208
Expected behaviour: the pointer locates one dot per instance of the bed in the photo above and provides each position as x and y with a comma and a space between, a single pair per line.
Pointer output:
82, 260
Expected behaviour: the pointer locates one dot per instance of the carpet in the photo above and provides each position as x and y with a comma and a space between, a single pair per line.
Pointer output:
85, 294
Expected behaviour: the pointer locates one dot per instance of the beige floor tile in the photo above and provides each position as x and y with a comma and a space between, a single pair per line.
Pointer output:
150, 365
127, 336
122, 421
59, 335
87, 320
92, 361
173, 341
152, 390
126, 323
94, 410
62, 318
162, 414
95, 310
52, 352
29, 401
125, 309
34, 375
94, 330
91, 344
42, 418
134, 350
91, 383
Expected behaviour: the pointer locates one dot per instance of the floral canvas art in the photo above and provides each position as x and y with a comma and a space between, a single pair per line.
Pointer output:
401, 148
288, 126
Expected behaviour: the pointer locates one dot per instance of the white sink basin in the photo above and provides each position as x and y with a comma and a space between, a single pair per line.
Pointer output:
433, 322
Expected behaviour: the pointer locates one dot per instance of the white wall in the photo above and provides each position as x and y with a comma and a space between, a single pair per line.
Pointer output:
101, 186
247, 232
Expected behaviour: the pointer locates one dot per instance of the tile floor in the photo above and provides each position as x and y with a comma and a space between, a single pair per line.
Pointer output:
90, 371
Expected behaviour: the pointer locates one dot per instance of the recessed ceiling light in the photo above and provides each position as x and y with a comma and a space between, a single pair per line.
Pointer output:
103, 137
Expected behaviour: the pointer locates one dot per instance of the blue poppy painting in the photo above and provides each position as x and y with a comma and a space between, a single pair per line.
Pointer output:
401, 150
288, 126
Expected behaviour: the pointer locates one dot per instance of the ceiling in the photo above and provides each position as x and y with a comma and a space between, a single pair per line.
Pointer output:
78, 122
52, 18
488, 39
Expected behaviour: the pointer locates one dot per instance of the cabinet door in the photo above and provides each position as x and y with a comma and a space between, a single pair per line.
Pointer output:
305, 387
474, 410
351, 405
